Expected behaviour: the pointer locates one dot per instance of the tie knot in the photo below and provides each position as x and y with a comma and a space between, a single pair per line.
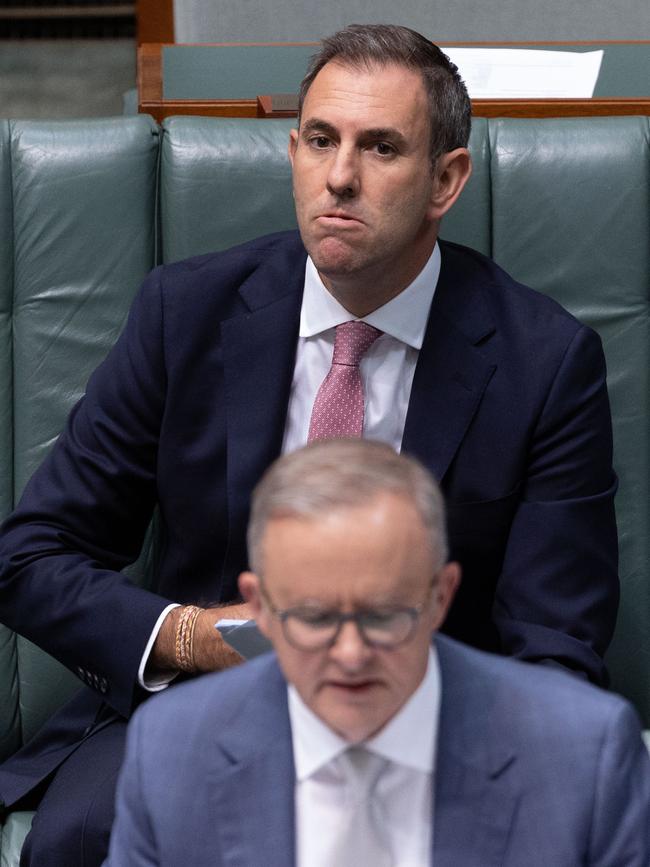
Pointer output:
362, 770
353, 339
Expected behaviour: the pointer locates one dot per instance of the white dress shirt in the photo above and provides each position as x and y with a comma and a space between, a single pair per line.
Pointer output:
386, 373
387, 368
408, 741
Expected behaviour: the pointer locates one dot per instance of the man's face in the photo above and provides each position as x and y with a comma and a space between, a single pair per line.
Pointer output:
350, 560
362, 175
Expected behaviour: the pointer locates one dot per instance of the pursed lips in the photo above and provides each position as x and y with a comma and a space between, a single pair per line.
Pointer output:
338, 217
339, 220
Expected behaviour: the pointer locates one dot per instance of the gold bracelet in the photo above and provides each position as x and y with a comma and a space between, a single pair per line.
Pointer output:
185, 637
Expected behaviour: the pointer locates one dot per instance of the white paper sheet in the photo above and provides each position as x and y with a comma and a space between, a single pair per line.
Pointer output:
518, 73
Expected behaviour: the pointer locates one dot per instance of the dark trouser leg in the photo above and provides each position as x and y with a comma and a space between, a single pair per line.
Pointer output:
73, 821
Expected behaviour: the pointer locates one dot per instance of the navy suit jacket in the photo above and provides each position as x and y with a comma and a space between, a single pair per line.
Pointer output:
533, 768
508, 409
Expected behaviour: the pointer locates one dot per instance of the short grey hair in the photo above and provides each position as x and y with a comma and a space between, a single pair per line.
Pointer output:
329, 475
368, 45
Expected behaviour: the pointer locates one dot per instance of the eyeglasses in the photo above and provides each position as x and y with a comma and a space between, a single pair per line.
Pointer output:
311, 628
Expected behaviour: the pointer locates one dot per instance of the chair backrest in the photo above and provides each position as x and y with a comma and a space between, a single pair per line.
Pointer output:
562, 204
77, 200
571, 218
222, 181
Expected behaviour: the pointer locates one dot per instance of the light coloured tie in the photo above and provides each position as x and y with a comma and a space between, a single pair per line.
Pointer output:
363, 839
339, 407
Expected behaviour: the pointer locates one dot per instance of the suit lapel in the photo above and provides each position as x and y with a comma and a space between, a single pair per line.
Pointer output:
259, 349
452, 372
251, 784
475, 797
252, 804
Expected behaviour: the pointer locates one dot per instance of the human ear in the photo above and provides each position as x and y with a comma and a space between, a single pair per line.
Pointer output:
293, 144
451, 173
443, 592
249, 587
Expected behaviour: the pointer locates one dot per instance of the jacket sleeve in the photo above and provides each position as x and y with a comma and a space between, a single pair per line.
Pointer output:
84, 514
557, 595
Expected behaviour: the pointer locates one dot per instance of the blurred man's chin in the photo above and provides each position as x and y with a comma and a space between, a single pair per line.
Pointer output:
354, 714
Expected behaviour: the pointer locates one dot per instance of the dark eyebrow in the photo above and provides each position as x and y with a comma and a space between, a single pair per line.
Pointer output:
314, 124
386, 133
382, 133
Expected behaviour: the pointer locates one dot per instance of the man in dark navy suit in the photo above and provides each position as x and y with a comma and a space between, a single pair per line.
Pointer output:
498, 390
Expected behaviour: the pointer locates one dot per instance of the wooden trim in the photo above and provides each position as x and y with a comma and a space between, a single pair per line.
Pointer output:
155, 21
149, 75
201, 108
559, 107
159, 109
150, 100
266, 108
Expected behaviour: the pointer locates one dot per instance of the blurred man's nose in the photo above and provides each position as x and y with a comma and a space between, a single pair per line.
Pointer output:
349, 650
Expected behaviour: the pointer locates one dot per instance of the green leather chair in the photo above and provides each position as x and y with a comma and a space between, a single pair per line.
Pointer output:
571, 218
89, 206
77, 221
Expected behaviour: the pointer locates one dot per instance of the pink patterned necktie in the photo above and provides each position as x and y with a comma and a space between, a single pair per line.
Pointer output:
338, 408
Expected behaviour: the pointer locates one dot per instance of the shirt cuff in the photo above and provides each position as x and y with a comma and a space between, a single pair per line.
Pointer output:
155, 684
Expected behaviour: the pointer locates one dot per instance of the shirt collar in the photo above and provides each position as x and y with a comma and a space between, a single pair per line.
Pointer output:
409, 738
403, 317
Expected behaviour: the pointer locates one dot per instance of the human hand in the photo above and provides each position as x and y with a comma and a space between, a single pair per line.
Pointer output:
209, 651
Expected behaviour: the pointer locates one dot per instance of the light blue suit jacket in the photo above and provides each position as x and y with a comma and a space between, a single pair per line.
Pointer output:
534, 767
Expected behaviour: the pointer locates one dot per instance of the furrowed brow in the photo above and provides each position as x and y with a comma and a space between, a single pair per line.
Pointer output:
314, 124
386, 133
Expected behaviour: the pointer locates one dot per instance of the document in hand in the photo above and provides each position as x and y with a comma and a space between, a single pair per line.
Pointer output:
244, 637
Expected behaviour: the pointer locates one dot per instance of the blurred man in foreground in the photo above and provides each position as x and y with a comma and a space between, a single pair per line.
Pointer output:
361, 742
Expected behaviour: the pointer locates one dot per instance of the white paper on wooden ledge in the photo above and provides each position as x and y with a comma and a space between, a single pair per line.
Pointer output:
521, 73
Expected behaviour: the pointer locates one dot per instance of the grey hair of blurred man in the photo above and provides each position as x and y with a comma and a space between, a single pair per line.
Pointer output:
337, 474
